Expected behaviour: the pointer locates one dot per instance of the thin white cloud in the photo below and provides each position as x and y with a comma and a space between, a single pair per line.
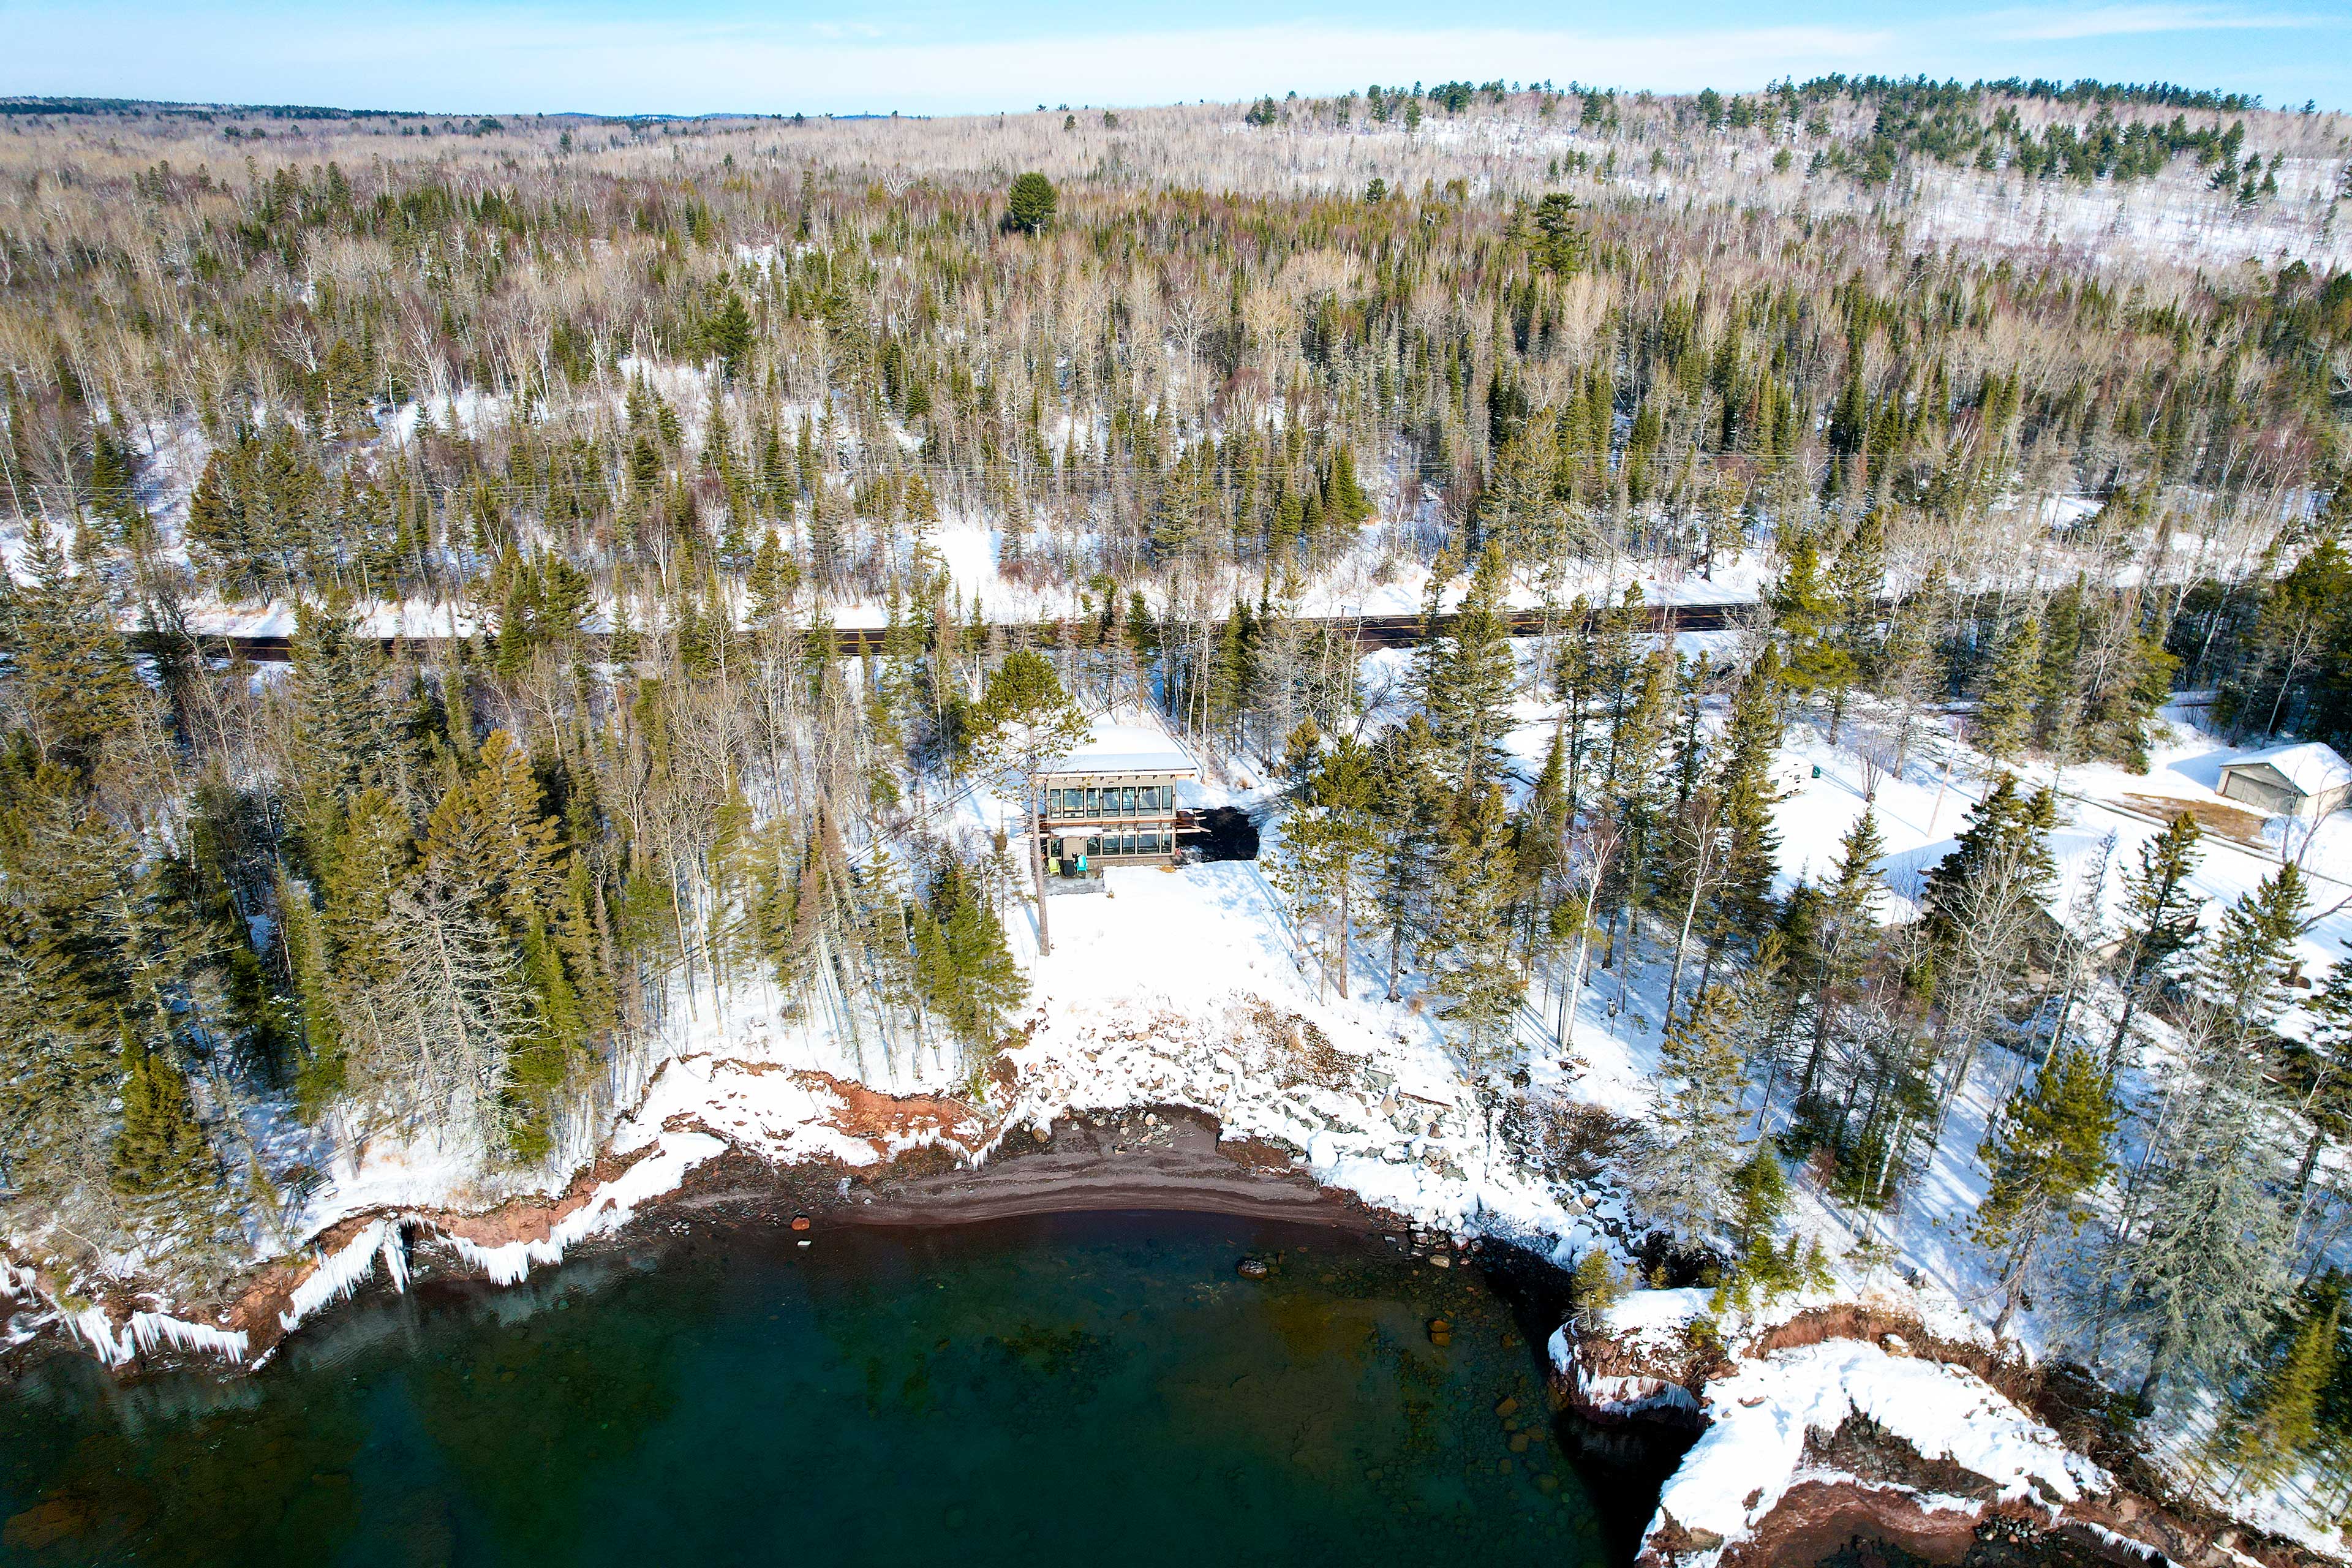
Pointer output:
498, 58
2122, 21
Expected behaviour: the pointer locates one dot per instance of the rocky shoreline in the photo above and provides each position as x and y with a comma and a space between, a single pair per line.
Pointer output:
1170, 1158
1636, 1403
2033, 1472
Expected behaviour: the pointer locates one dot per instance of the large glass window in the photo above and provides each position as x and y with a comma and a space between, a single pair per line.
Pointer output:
1126, 802
1094, 802
1167, 797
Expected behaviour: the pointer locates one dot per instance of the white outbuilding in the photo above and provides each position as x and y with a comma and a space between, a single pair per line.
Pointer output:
2307, 780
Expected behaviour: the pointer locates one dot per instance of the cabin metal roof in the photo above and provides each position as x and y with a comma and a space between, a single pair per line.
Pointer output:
1126, 749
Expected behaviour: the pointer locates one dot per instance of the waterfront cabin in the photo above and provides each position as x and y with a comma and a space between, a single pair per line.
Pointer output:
2308, 781
1112, 801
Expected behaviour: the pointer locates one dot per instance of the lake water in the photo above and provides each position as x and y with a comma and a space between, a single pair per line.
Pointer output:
1068, 1389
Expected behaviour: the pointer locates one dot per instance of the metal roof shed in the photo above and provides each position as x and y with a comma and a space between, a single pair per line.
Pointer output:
2305, 780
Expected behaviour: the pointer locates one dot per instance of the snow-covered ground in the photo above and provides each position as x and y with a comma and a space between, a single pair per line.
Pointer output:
1184, 987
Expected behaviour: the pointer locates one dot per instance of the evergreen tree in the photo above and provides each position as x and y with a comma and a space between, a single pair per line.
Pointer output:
71, 671
351, 736
1838, 932
2047, 1154
2004, 841
1808, 615
966, 974
2201, 1277
1331, 850
161, 1151
59, 1064
1556, 239
729, 334
774, 578
1906, 661
1468, 944
2243, 972
1760, 1190
1985, 900
1409, 813
1857, 579
2005, 709
2273, 1423
1029, 205
1751, 839
1685, 1166
2324, 1078
1470, 693
2161, 916
1760, 1270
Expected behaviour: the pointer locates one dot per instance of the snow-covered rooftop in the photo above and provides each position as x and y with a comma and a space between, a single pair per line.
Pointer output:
2310, 766
1127, 749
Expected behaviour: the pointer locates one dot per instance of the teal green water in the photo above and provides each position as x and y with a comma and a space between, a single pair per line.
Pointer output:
1071, 1389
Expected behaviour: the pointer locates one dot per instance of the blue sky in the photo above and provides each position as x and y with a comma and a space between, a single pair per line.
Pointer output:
924, 57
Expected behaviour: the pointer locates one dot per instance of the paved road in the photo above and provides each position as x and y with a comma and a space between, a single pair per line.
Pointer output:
1368, 631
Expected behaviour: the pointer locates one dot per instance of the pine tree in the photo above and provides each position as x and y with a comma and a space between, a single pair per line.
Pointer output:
966, 974
1409, 813
161, 1151
1470, 694
351, 737
1329, 852
1760, 1269
1751, 839
1985, 900
60, 1059
2005, 710
1468, 944
2161, 916
2201, 1278
2004, 841
729, 334
1683, 1168
1808, 616
1029, 207
443, 1030
2047, 1154
1857, 579
72, 672
774, 578
2243, 972
1760, 1189
489, 839
2273, 1423
1841, 923
1298, 863
2325, 1096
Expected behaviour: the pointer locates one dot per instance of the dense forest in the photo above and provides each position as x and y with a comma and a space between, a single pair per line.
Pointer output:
559, 448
